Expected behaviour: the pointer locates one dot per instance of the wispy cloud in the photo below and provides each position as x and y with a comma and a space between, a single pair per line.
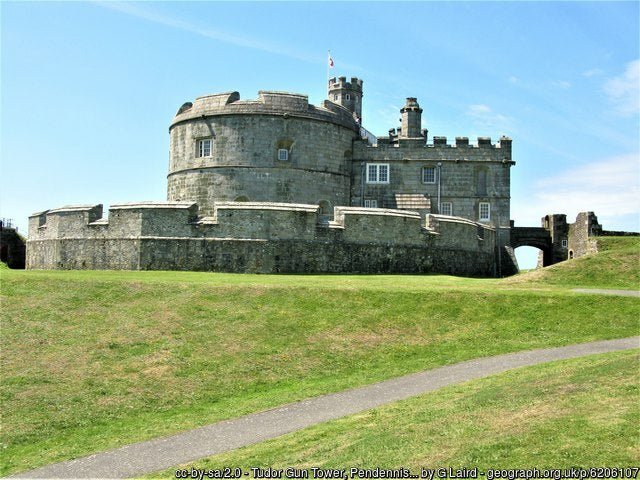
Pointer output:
623, 90
593, 72
242, 41
388, 116
563, 84
483, 116
610, 187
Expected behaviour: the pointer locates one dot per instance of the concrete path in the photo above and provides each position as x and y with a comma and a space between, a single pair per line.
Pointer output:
141, 458
623, 293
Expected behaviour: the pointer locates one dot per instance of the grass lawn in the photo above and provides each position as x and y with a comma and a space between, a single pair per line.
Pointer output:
93, 360
616, 265
582, 412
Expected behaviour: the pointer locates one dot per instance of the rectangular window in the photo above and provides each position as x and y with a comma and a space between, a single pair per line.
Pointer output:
377, 173
447, 208
383, 173
204, 147
370, 203
347, 97
484, 211
283, 154
429, 175
335, 98
565, 243
482, 182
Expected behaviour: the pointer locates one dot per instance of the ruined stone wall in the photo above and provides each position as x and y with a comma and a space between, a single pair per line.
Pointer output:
244, 162
258, 238
581, 233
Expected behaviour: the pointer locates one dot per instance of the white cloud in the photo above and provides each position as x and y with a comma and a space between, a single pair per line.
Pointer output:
623, 90
610, 188
483, 116
592, 72
243, 41
388, 116
513, 79
563, 84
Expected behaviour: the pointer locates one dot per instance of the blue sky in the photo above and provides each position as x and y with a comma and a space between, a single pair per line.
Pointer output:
88, 89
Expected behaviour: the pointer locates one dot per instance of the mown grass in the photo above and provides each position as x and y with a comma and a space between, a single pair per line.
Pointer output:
582, 412
94, 360
616, 265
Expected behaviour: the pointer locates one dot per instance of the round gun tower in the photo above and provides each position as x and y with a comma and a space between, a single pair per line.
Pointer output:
277, 148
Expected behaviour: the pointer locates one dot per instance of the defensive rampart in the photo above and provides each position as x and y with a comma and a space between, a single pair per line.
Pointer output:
257, 237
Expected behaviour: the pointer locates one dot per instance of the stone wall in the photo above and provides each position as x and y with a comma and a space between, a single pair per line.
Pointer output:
581, 233
470, 175
246, 137
258, 238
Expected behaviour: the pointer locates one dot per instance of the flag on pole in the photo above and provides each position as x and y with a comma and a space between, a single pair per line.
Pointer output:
330, 60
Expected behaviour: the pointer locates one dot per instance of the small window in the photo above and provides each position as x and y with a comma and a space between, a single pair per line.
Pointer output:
447, 208
325, 207
484, 211
204, 147
283, 154
429, 175
565, 243
347, 97
335, 98
370, 203
377, 173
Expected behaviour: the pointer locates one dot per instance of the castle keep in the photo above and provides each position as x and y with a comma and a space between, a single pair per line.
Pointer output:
277, 185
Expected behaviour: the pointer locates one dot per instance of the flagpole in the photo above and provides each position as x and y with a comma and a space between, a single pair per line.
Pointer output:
326, 84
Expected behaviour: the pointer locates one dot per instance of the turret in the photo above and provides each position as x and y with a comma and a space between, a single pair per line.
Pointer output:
347, 94
411, 119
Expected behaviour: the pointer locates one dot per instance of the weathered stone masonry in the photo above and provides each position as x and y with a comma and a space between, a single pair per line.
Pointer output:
278, 185
258, 238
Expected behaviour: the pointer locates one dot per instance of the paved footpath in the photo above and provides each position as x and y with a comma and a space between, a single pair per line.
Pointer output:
623, 293
153, 455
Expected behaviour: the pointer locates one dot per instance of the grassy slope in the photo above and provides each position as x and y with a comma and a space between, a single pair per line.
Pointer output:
616, 265
92, 360
581, 412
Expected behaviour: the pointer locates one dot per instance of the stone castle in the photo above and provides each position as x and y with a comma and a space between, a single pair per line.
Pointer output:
278, 185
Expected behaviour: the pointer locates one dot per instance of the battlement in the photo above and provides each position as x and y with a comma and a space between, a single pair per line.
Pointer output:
393, 140
341, 82
268, 103
256, 237
261, 220
284, 100
411, 104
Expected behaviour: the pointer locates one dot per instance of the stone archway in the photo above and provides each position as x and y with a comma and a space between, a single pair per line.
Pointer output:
537, 237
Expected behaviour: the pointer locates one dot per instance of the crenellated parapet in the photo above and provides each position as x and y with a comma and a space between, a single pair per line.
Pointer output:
395, 140
139, 235
342, 82
268, 103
